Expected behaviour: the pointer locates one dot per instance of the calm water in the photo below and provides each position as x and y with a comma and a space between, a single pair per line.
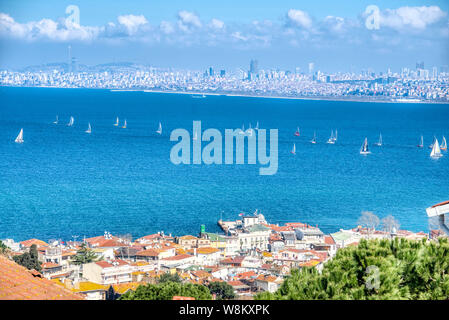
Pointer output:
62, 182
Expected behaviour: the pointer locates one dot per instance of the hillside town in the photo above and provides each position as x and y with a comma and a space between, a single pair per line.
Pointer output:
251, 255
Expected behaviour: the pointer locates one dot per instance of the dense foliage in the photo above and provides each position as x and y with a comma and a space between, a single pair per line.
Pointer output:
29, 259
3, 248
222, 290
85, 255
166, 291
168, 277
375, 269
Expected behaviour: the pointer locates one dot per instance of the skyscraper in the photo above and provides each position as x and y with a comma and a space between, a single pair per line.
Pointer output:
311, 67
420, 65
253, 67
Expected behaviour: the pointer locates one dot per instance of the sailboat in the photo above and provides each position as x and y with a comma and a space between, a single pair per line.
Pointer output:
364, 149
116, 123
56, 121
314, 138
421, 142
159, 129
336, 136
297, 133
379, 143
436, 152
332, 138
433, 143
124, 125
72, 120
89, 129
293, 149
19, 138
443, 145
257, 126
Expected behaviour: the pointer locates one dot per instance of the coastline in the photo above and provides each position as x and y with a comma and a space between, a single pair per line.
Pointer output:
243, 95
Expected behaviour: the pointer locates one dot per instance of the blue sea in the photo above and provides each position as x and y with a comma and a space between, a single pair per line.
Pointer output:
63, 183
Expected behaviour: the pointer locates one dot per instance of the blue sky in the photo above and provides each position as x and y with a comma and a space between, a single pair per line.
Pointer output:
227, 34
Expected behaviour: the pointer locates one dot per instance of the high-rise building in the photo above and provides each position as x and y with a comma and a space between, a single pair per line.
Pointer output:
434, 73
74, 65
211, 72
222, 73
253, 67
69, 61
311, 67
420, 65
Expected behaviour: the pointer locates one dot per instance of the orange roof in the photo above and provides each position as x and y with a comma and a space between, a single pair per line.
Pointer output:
179, 257
188, 237
440, 204
182, 298
329, 240
124, 287
206, 250
107, 264
30, 242
18, 283
149, 253
49, 265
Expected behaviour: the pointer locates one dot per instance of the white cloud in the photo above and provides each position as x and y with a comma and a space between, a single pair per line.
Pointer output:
188, 20
414, 17
132, 23
166, 27
47, 29
299, 18
217, 24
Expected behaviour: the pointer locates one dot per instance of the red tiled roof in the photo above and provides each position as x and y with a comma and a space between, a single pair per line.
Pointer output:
30, 242
107, 264
18, 283
178, 257
182, 298
329, 240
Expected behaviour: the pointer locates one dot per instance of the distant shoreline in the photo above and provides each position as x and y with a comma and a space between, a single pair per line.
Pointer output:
318, 98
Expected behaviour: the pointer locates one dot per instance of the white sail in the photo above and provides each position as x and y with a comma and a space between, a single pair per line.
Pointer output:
116, 122
293, 149
56, 121
314, 138
159, 129
436, 152
379, 143
336, 135
19, 138
124, 125
257, 126
364, 149
443, 145
89, 129
332, 138
71, 121
421, 142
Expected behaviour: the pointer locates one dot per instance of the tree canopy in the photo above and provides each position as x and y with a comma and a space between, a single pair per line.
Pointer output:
29, 259
166, 291
222, 290
374, 270
85, 255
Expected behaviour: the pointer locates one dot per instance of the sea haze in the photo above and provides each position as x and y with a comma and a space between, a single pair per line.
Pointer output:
62, 182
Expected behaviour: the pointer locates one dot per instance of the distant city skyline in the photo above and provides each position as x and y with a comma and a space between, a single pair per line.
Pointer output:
335, 37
